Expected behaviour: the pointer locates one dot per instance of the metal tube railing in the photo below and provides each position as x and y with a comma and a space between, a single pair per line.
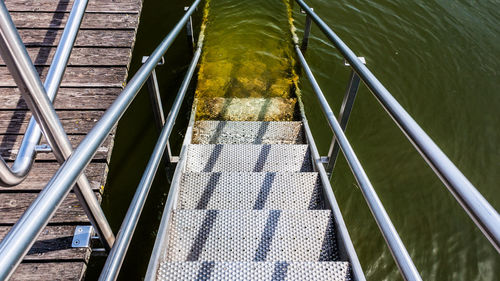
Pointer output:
23, 234
27, 151
476, 206
396, 246
343, 238
24, 73
117, 254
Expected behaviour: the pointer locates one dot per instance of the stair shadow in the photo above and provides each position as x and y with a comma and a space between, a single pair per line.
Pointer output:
208, 191
307, 165
267, 236
218, 131
280, 270
214, 156
316, 201
329, 247
261, 160
263, 109
205, 271
264, 126
264, 191
202, 236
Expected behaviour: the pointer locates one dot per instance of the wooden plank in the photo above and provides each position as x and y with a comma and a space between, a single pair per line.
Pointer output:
75, 98
53, 243
13, 205
74, 122
56, 271
102, 6
77, 76
42, 172
85, 38
42, 56
9, 147
96, 75
90, 21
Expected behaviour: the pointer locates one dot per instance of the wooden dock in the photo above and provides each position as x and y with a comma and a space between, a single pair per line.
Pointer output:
96, 74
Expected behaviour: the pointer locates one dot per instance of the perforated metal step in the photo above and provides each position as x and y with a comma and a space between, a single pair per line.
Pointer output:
237, 190
248, 158
255, 271
238, 132
249, 235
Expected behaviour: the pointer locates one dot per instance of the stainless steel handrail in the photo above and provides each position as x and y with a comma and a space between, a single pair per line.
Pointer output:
398, 250
27, 151
23, 234
24, 73
476, 206
343, 237
117, 254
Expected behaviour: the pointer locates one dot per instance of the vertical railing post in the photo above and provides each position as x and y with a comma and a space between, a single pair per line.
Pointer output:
155, 98
189, 31
156, 104
345, 113
307, 31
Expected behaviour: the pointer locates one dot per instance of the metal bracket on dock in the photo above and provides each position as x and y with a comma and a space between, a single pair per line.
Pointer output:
82, 236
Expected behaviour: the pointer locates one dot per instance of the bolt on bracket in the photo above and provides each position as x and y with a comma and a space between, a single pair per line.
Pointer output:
82, 236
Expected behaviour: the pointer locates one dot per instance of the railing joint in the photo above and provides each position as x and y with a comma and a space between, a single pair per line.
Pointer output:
43, 148
324, 159
362, 59
160, 63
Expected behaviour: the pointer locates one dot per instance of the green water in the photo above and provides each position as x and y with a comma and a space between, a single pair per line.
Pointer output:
440, 61
246, 53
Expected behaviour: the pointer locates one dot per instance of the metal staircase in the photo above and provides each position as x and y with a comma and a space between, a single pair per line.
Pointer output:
249, 200
250, 207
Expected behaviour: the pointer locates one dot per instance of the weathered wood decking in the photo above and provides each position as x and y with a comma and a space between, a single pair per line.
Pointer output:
95, 76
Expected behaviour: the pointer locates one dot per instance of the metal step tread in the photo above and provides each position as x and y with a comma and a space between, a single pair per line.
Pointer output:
239, 132
251, 235
255, 271
248, 158
250, 191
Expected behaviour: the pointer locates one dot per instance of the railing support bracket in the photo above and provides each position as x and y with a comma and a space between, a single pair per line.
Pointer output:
307, 31
155, 97
189, 31
82, 236
43, 148
345, 113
